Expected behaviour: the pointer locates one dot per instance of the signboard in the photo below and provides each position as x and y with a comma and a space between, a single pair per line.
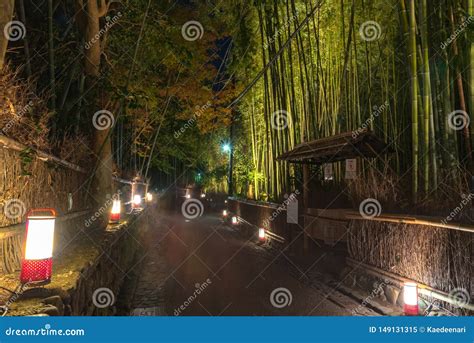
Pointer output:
292, 211
328, 172
351, 169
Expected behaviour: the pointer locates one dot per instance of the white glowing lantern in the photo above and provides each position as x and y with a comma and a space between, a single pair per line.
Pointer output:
149, 197
137, 200
261, 234
115, 212
188, 196
410, 298
37, 263
224, 213
203, 195
235, 221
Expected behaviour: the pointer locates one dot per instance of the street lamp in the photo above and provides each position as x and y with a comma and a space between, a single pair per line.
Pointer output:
37, 264
226, 147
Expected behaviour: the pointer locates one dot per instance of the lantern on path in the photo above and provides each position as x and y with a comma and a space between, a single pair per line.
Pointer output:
149, 197
410, 299
224, 213
37, 264
235, 221
136, 201
261, 234
115, 212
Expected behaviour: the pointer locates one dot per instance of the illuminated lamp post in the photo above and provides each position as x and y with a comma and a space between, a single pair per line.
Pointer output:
410, 299
115, 212
37, 264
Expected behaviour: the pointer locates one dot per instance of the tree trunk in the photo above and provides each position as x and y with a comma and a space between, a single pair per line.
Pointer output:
6, 14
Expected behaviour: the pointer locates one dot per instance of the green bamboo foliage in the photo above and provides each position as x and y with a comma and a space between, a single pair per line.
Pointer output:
402, 82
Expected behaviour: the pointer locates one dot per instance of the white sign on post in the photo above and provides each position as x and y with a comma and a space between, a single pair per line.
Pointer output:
292, 211
328, 172
351, 169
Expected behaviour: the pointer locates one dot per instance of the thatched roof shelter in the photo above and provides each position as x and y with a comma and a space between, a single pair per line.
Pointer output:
352, 144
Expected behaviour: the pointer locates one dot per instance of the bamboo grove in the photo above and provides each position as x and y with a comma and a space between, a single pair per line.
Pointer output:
401, 68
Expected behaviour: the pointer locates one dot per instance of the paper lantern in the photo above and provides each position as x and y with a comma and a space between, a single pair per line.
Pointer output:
261, 234
115, 212
37, 264
410, 298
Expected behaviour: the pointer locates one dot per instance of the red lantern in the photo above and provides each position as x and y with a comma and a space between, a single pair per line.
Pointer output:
115, 212
224, 213
410, 299
235, 220
37, 264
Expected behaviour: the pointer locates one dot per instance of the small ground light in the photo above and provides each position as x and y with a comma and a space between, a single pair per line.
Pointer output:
261, 234
225, 201
149, 197
203, 195
188, 196
410, 298
115, 212
37, 264
224, 213
235, 221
